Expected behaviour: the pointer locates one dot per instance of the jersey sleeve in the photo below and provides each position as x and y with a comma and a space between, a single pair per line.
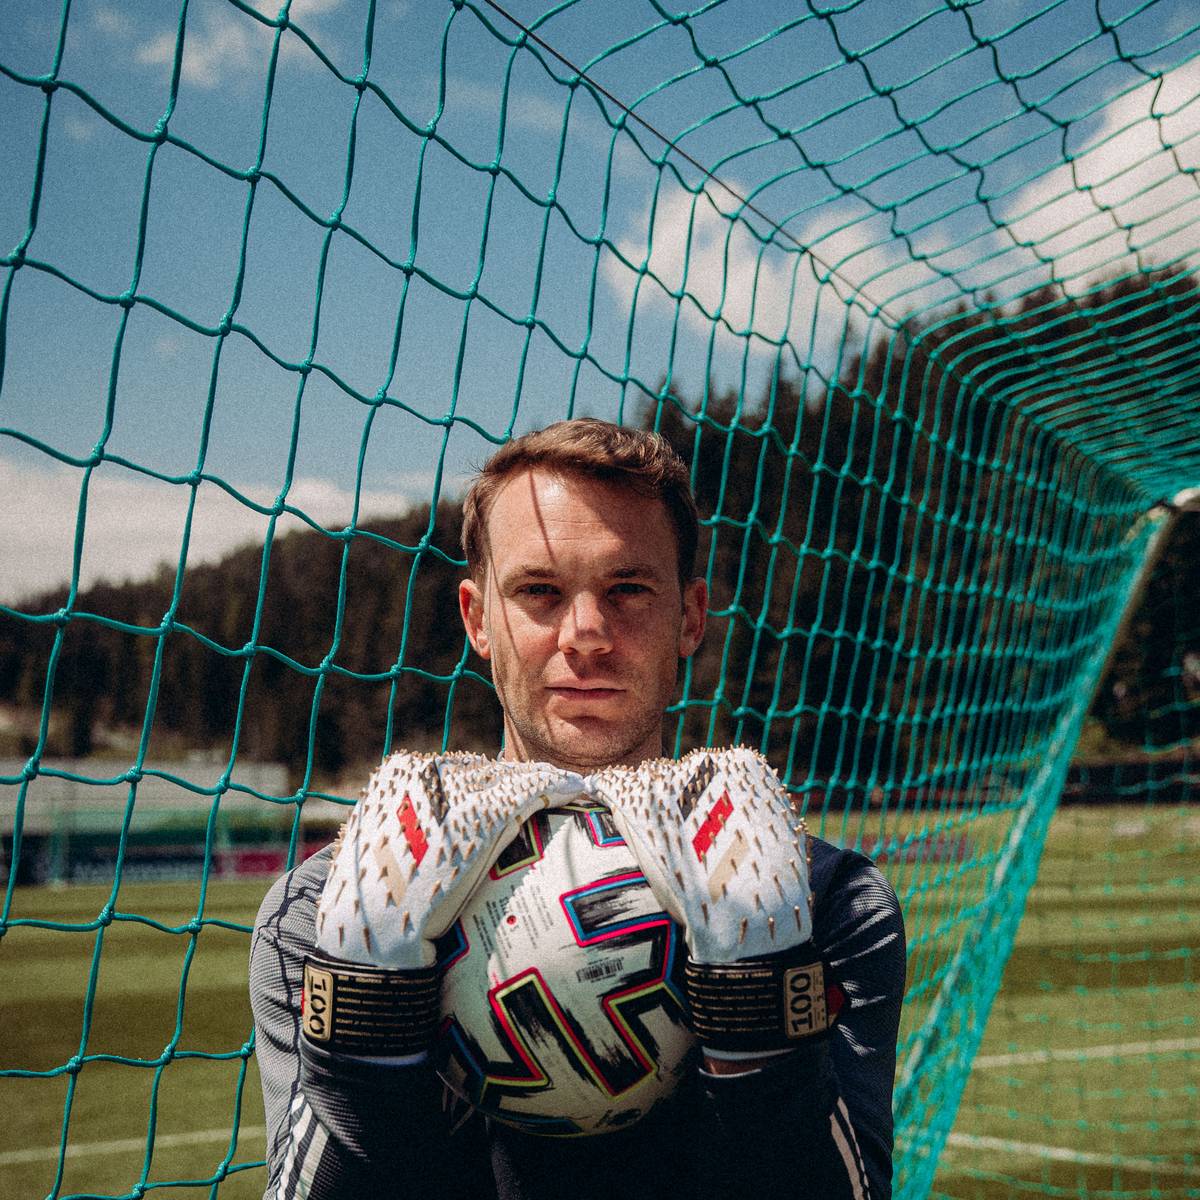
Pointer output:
336, 1126
819, 1121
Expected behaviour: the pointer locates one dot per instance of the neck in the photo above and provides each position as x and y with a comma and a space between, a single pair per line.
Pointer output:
517, 750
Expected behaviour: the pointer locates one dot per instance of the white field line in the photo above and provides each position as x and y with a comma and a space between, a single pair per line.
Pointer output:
12, 1158
1118, 1050
1155, 1166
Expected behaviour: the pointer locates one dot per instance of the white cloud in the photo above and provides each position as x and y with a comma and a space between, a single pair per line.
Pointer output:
221, 44
692, 245
696, 246
1126, 190
298, 10
134, 523
700, 245
544, 115
112, 20
854, 249
530, 112
78, 129
539, 114
213, 48
168, 345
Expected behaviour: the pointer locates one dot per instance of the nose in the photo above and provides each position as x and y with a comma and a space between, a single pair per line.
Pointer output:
585, 628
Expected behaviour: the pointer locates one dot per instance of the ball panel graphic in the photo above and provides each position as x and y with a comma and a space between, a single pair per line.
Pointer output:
562, 1011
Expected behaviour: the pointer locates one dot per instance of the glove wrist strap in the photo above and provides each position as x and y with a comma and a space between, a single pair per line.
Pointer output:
759, 1005
355, 1008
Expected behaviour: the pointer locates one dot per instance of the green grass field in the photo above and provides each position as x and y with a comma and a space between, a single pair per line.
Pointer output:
137, 1013
1088, 1082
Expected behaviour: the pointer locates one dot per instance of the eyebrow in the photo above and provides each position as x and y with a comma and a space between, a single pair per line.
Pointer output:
635, 569
632, 570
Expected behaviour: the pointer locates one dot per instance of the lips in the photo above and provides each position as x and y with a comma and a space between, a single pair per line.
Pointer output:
584, 691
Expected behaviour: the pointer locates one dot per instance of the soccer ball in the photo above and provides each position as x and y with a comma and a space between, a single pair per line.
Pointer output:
562, 1010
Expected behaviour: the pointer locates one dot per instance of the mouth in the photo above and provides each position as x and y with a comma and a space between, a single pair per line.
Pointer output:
584, 692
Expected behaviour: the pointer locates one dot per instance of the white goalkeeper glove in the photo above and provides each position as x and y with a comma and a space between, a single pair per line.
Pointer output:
726, 855
426, 830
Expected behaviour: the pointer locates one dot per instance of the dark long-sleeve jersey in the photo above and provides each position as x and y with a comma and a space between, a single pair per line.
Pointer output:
815, 1123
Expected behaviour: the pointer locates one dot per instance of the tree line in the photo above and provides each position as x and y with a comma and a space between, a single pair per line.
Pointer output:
900, 557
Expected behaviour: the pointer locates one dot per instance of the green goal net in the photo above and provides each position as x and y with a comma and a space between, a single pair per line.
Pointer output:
1086, 1081
911, 288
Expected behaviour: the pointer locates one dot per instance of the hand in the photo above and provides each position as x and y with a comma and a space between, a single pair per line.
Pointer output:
426, 830
721, 847
726, 855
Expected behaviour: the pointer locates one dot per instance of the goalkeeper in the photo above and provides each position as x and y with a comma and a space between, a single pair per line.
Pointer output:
580, 542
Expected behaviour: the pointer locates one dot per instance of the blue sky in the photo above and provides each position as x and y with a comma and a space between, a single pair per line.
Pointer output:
167, 402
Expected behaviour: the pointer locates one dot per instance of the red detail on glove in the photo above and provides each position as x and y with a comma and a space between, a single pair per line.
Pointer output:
414, 835
713, 824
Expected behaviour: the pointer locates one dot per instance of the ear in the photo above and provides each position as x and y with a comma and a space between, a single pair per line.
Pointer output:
695, 615
470, 605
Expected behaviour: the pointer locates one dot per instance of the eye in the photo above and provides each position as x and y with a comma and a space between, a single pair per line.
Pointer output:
630, 589
539, 589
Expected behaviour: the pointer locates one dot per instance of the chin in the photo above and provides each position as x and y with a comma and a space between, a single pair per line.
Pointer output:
592, 743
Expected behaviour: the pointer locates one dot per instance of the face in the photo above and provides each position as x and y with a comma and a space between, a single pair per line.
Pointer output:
582, 616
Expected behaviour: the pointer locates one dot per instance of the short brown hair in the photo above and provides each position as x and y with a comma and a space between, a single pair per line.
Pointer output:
637, 459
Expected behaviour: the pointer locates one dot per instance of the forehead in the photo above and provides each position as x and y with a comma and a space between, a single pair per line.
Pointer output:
540, 515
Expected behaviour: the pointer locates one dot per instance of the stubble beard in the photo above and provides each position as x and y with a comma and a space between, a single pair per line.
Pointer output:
556, 740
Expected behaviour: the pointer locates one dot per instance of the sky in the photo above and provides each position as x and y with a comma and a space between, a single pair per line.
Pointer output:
511, 246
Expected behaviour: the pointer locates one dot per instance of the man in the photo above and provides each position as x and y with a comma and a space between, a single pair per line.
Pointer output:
580, 541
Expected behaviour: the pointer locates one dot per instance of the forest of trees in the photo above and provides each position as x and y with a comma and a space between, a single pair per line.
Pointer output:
885, 552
